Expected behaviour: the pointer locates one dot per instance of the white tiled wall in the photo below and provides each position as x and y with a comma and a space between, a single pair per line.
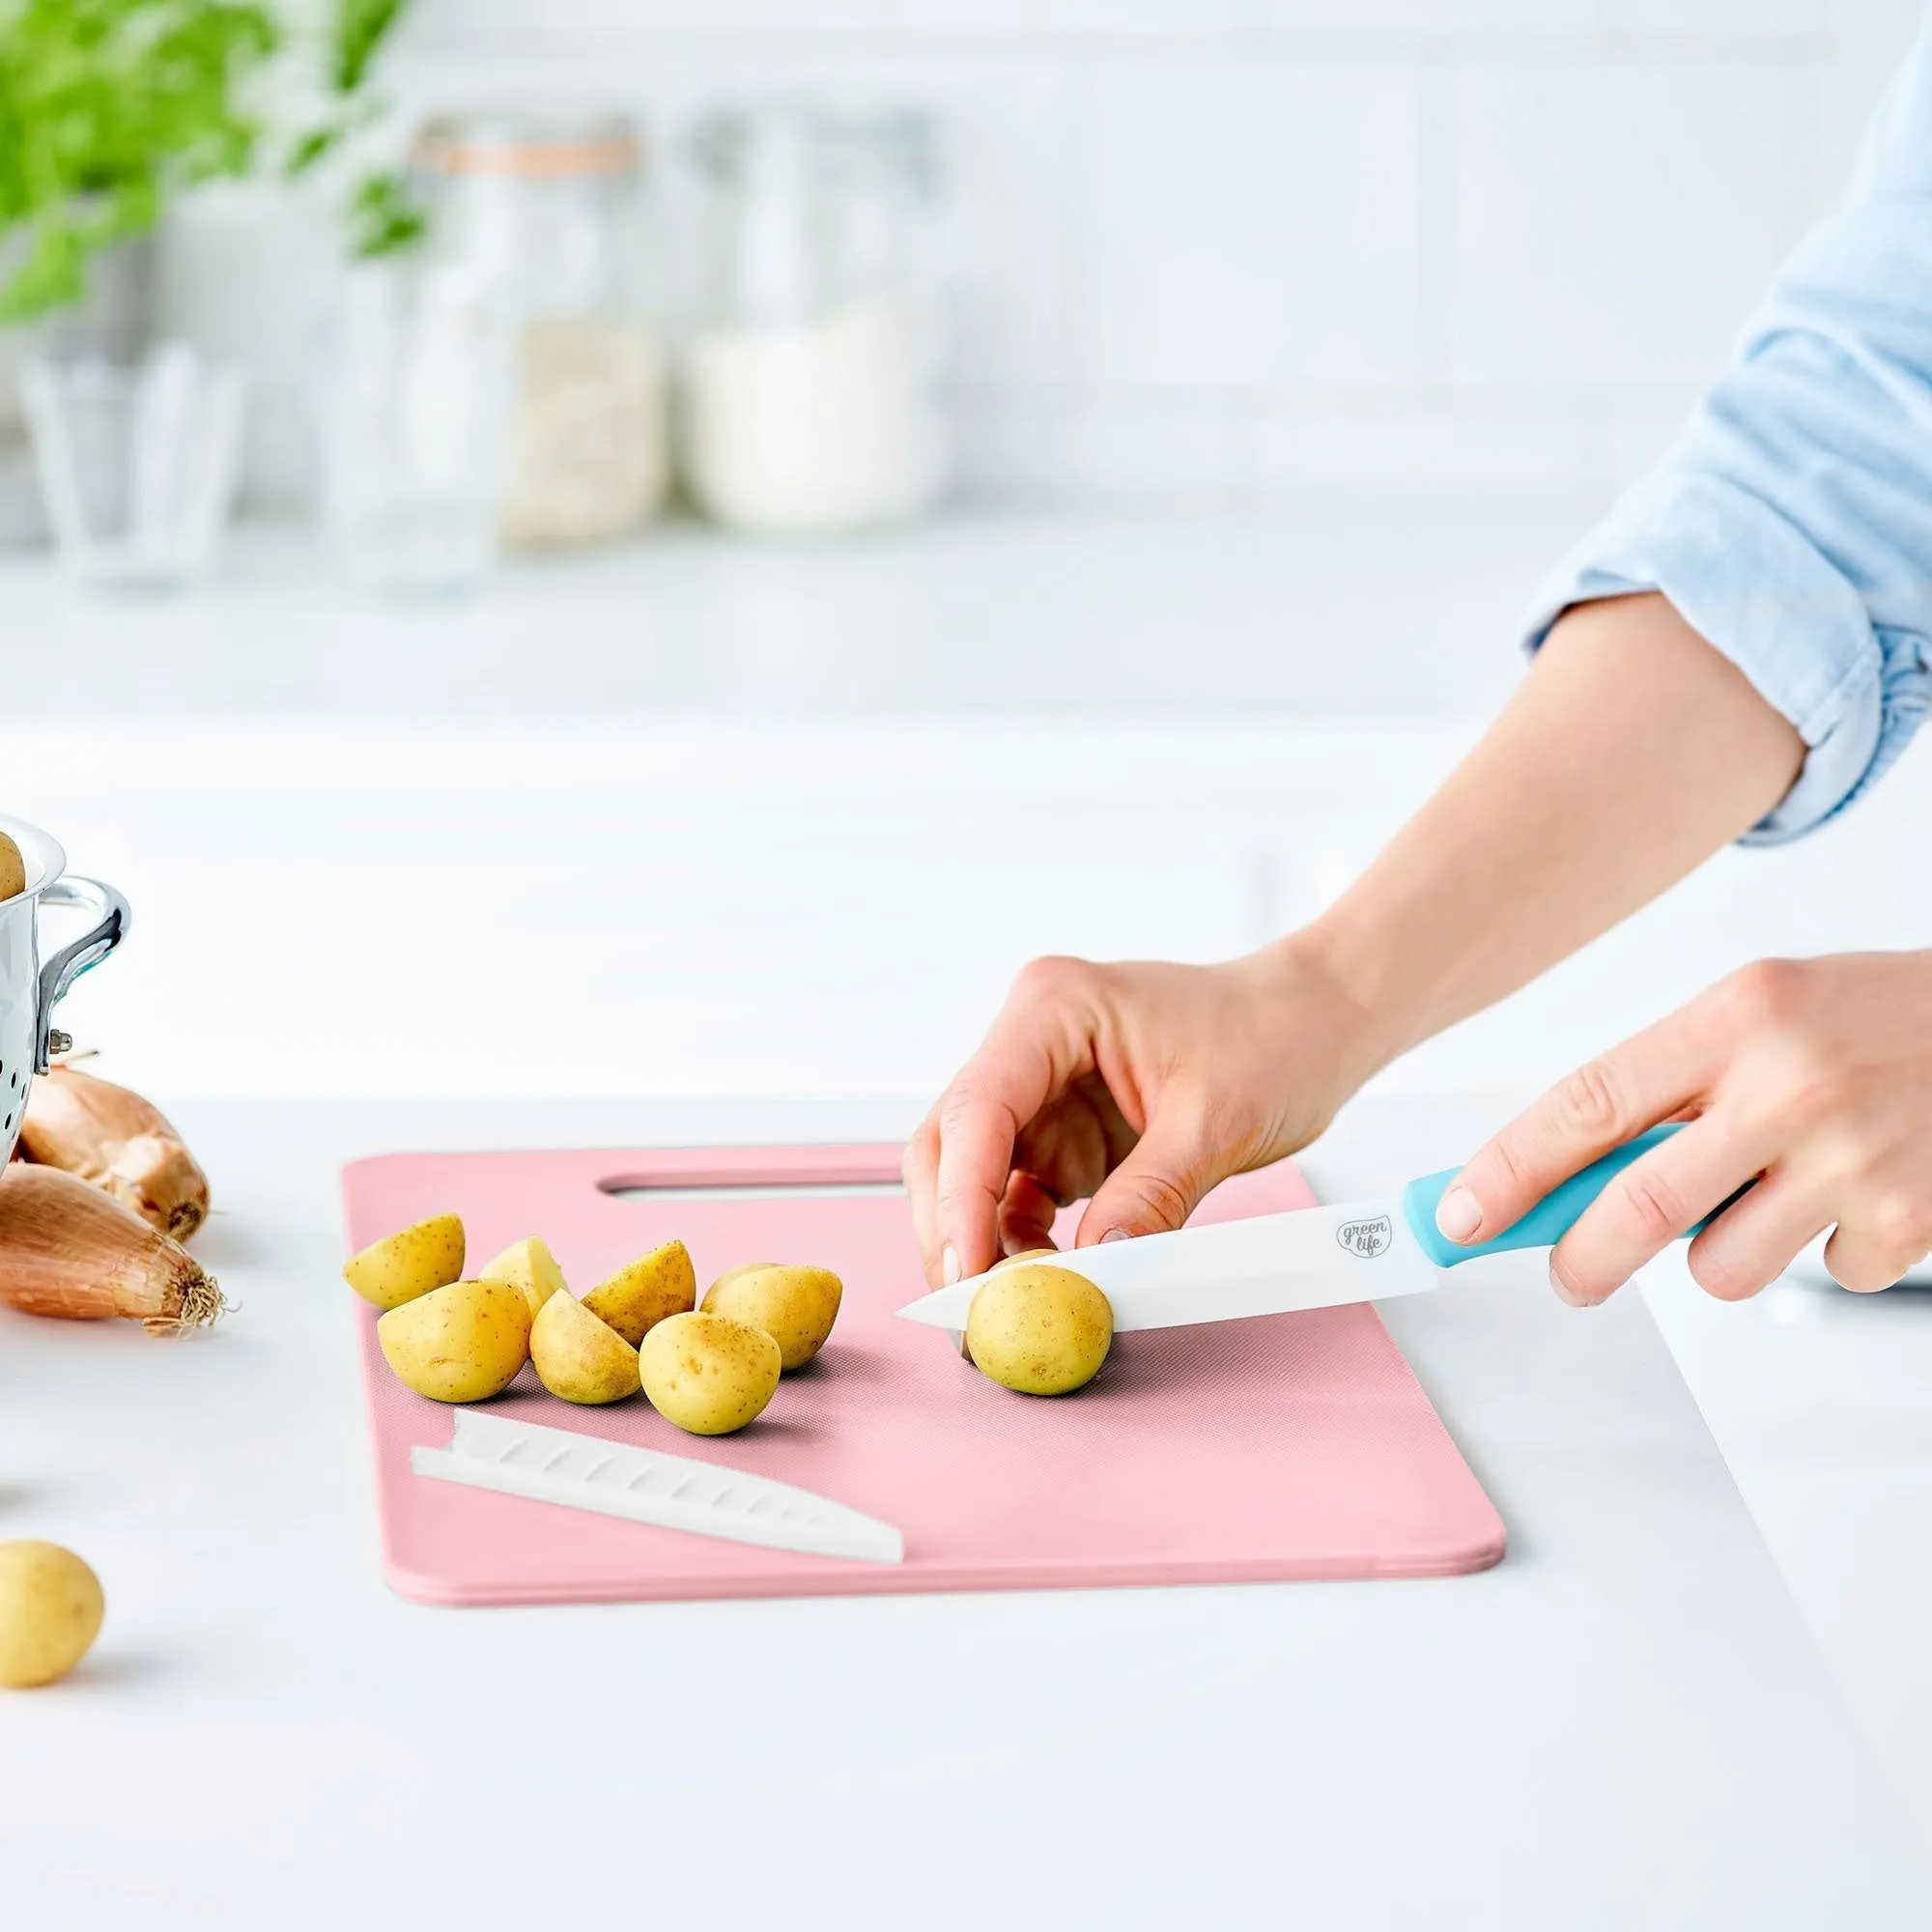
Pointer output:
1228, 251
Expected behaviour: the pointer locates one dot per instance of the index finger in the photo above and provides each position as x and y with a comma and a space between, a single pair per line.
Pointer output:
1029, 1055
1649, 1078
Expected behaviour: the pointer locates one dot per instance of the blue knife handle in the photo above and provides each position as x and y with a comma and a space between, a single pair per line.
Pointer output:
1547, 1223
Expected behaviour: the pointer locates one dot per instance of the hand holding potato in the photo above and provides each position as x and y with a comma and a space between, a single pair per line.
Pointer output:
1138, 1086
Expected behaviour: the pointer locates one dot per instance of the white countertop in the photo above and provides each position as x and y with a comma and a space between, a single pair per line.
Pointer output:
1624, 1724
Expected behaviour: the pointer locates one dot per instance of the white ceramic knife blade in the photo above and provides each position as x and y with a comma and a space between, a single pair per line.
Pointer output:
1270, 1264
1311, 1257
586, 1472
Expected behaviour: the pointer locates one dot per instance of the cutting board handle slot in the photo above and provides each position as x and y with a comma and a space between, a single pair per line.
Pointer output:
735, 1187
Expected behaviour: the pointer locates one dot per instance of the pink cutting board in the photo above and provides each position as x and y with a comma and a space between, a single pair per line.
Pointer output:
1288, 1446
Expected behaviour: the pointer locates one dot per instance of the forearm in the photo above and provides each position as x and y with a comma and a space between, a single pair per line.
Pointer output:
1632, 751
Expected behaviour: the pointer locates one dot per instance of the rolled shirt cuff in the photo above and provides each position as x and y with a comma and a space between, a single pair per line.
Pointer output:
1758, 589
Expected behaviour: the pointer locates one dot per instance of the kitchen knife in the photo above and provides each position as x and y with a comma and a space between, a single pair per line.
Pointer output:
1309, 1258
589, 1472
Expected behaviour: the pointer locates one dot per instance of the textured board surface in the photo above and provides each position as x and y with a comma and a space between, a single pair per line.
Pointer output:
1284, 1448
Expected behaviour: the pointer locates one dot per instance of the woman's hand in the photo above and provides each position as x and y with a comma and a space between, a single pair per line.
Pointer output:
1141, 1086
1814, 1077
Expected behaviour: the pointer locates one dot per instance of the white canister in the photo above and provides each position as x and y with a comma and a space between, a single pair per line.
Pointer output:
31, 987
812, 397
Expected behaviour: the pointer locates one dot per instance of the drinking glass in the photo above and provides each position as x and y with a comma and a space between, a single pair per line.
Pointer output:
417, 431
137, 464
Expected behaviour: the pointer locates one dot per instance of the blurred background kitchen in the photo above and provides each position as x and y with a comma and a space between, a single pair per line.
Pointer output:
628, 549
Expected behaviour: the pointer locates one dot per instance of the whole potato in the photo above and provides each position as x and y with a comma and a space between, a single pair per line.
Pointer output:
579, 1357
12, 869
708, 1375
1006, 1262
1039, 1329
461, 1343
50, 1610
795, 1306
403, 1266
531, 1265
637, 1297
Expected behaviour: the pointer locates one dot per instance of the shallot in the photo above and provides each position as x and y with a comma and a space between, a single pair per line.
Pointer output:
66, 1249
119, 1142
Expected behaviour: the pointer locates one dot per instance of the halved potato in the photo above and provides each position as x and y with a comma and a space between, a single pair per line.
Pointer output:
795, 1306
461, 1342
654, 1285
412, 1261
708, 1375
578, 1357
531, 1265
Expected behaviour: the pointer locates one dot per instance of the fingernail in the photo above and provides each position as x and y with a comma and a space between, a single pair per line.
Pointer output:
1564, 1293
1459, 1214
949, 1264
1115, 1235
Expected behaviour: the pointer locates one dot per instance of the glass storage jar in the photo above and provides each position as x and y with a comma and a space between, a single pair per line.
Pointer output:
545, 220
413, 430
812, 397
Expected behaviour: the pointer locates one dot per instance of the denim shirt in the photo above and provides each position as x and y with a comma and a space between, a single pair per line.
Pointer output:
1791, 524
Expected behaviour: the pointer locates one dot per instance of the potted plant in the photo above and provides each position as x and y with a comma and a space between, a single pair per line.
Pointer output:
111, 110
108, 107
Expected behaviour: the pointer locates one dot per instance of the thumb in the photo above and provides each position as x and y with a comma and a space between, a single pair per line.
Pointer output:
1158, 1185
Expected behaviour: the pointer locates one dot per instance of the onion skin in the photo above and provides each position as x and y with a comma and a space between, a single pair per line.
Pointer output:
119, 1142
68, 1250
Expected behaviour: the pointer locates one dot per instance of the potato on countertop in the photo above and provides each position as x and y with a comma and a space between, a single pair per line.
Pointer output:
51, 1611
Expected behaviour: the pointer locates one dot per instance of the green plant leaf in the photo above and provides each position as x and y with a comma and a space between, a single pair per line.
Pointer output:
382, 217
361, 26
311, 148
108, 107
48, 276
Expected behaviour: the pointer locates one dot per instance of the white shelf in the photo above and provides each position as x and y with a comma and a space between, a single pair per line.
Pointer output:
1007, 614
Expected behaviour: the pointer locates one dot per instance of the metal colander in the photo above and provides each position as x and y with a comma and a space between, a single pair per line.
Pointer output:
30, 989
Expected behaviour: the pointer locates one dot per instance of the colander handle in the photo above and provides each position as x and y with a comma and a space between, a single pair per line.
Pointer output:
89, 949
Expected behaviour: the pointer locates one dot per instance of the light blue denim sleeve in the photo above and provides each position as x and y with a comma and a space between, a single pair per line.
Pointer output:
1792, 523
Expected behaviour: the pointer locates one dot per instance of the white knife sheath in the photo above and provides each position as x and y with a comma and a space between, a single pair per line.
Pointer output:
554, 1465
